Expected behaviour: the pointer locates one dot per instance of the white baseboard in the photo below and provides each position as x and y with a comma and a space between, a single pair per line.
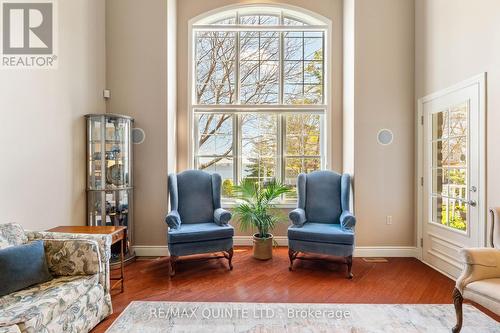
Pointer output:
386, 251
360, 251
248, 240
151, 250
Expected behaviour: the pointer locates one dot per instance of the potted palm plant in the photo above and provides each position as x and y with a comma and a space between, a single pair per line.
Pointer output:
254, 211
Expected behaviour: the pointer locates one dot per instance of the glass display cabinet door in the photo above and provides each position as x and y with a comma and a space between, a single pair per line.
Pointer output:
109, 174
95, 148
114, 212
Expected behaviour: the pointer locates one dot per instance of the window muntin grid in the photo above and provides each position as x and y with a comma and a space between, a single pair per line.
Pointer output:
275, 70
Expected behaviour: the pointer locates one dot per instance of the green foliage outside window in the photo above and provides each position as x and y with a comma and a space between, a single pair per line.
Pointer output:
227, 188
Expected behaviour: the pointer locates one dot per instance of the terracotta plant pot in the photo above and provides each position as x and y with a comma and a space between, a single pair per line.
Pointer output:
263, 247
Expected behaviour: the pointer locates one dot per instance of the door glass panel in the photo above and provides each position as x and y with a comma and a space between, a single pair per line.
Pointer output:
456, 183
439, 153
459, 120
457, 214
449, 167
440, 125
439, 182
439, 210
458, 152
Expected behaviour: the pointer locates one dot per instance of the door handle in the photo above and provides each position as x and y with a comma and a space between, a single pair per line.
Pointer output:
472, 203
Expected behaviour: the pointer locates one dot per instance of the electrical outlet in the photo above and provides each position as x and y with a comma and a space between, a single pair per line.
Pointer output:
388, 220
106, 93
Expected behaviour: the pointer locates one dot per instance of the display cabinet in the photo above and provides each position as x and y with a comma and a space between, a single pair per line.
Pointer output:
109, 176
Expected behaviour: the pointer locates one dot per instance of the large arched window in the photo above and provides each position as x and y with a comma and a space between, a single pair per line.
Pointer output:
258, 100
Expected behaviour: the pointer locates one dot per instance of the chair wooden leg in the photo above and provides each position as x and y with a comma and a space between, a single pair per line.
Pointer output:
292, 255
349, 267
458, 301
173, 260
230, 253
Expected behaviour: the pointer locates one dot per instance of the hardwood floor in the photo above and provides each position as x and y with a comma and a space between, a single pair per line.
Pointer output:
401, 280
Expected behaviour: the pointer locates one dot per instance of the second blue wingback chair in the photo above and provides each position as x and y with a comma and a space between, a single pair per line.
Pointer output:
197, 223
322, 222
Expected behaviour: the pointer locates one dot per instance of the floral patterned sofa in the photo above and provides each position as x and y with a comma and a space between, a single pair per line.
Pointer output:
76, 300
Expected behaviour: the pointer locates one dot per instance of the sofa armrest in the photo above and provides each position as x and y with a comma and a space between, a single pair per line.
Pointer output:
103, 243
69, 257
222, 216
347, 220
480, 264
298, 217
173, 219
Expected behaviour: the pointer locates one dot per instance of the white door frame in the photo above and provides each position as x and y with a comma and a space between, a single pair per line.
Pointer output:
480, 81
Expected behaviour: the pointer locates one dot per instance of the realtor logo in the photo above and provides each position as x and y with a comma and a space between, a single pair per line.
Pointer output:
28, 34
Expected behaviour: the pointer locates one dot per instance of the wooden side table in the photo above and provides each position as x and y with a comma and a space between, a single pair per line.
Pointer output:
118, 234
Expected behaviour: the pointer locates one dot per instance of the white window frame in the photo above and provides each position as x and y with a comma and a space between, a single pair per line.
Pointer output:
315, 23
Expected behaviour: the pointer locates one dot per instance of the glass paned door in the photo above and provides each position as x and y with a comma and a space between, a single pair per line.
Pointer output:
449, 166
451, 159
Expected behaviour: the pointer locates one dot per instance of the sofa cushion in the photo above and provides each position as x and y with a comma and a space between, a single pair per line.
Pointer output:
81, 316
197, 232
72, 256
12, 234
322, 233
486, 293
45, 301
22, 266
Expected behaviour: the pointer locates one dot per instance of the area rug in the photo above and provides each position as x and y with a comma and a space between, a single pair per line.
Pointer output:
194, 317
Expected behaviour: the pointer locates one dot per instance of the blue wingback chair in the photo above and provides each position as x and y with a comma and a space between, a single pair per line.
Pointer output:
197, 223
322, 222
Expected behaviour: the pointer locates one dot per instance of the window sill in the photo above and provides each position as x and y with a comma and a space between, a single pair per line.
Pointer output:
282, 205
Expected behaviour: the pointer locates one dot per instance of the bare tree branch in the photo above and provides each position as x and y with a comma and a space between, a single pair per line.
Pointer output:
216, 159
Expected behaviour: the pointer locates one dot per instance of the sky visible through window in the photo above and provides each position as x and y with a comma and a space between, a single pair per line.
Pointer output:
259, 68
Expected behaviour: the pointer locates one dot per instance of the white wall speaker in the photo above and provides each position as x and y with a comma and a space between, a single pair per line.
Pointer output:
385, 137
138, 135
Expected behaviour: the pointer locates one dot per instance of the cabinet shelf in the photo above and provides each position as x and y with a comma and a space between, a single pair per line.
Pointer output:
109, 189
107, 141
121, 159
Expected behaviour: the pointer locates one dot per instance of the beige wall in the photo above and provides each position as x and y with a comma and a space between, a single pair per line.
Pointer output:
42, 141
455, 40
384, 98
136, 73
